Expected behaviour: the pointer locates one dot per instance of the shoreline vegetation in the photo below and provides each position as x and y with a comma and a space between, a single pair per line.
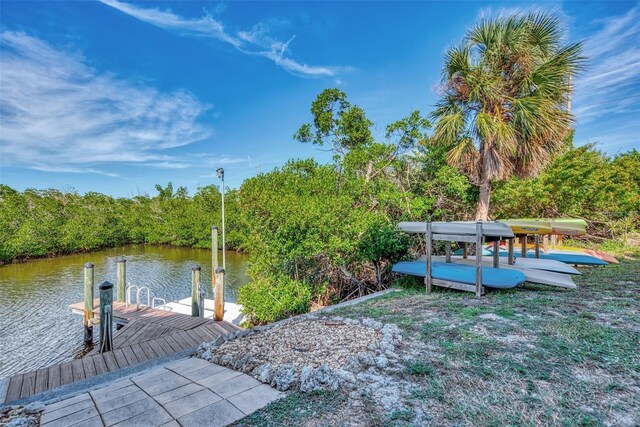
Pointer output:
318, 234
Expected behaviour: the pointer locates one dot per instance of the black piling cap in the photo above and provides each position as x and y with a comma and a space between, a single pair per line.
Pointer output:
214, 227
122, 259
106, 285
219, 270
196, 268
88, 265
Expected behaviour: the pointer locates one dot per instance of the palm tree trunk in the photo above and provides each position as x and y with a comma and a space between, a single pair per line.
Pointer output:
482, 211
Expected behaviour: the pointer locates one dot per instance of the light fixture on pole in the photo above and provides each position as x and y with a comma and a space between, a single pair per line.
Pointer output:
220, 174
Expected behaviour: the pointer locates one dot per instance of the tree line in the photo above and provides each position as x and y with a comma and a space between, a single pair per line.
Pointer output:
319, 233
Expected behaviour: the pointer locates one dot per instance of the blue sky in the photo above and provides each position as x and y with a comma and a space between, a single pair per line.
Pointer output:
116, 96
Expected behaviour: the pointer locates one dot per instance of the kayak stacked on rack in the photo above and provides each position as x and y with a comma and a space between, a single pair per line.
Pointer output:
475, 276
463, 273
556, 227
498, 265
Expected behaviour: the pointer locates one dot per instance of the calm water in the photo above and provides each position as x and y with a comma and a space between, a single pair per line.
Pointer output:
38, 329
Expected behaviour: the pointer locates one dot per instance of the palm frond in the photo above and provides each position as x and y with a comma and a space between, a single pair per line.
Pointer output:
449, 129
465, 157
544, 31
457, 60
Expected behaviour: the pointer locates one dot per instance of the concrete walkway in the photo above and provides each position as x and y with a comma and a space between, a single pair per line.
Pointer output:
186, 392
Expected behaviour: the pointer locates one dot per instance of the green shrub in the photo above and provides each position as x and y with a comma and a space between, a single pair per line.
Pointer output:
269, 300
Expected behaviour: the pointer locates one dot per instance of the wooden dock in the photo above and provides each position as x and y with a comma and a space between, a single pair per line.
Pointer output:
147, 334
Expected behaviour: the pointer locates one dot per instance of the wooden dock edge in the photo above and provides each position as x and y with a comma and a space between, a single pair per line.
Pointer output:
69, 390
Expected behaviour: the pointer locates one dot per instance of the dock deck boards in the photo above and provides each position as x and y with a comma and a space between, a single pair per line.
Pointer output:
147, 334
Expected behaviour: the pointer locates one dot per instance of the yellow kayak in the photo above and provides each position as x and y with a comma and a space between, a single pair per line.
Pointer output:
529, 226
560, 226
569, 226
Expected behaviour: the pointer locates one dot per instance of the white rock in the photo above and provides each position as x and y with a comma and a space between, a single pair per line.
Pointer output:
373, 324
284, 377
321, 378
382, 362
263, 373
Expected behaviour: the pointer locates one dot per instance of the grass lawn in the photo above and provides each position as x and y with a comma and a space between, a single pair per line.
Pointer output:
529, 356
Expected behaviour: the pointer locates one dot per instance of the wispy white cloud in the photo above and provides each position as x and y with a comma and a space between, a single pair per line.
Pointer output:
58, 114
610, 85
43, 167
253, 42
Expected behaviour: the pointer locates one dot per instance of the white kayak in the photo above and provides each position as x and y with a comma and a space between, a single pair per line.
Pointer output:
534, 263
533, 275
492, 229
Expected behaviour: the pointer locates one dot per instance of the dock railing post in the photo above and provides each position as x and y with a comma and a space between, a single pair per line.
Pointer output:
106, 316
121, 278
478, 259
195, 291
88, 304
218, 294
200, 299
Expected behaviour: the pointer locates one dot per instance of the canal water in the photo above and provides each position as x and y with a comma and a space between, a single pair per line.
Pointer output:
37, 328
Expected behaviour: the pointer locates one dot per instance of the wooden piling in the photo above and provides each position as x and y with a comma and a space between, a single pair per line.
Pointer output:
106, 316
218, 294
537, 246
523, 242
496, 254
447, 251
88, 304
465, 250
121, 278
478, 259
195, 291
429, 241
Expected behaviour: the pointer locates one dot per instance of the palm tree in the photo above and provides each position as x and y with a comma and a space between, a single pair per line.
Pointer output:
506, 89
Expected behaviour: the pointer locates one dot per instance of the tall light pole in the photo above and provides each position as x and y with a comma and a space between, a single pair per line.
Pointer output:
220, 174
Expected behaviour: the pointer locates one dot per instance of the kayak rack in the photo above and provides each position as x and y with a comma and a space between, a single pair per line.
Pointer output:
432, 236
466, 233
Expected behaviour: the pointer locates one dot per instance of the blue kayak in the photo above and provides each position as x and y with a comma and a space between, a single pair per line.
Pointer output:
462, 273
575, 259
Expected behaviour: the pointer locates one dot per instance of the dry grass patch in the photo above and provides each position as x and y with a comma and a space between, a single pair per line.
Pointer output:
530, 356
